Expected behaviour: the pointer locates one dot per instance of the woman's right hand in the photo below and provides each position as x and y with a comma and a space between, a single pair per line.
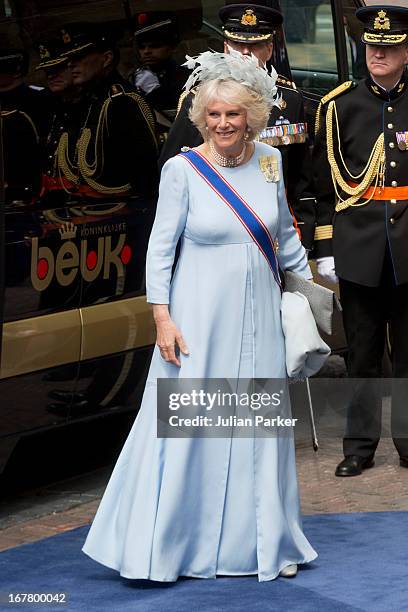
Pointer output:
168, 336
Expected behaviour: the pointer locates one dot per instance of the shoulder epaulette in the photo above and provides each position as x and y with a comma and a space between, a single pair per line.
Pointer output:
8, 113
183, 96
116, 90
334, 93
284, 82
337, 91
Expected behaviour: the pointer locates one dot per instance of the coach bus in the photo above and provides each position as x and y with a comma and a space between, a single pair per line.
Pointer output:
75, 344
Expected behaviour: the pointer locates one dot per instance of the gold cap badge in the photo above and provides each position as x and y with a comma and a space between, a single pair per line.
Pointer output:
43, 52
249, 18
382, 22
66, 37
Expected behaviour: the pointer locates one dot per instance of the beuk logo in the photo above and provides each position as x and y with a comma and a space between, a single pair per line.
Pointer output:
69, 259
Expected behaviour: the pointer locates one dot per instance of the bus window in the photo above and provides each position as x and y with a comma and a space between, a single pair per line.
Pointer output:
309, 33
355, 48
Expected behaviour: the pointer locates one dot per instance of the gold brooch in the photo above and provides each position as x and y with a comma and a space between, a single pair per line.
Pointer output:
249, 18
270, 168
382, 22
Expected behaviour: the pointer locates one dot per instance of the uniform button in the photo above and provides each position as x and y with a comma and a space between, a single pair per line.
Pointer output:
49, 172
393, 164
390, 126
392, 220
393, 201
391, 145
390, 109
394, 184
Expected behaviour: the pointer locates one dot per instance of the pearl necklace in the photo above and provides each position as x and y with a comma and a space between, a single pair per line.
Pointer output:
227, 162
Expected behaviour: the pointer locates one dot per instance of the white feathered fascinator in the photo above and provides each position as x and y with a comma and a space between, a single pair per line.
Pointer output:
233, 65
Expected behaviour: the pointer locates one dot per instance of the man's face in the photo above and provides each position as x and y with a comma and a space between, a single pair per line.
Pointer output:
153, 53
386, 62
261, 50
89, 67
59, 79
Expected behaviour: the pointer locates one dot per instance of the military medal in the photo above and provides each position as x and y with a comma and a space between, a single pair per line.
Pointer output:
269, 167
284, 133
402, 140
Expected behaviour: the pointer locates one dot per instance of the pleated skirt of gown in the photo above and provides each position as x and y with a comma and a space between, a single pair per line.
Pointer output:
237, 553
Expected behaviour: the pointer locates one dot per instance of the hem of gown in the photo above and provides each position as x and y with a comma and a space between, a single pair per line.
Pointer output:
202, 576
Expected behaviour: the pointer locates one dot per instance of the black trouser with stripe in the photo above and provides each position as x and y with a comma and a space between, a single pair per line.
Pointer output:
366, 312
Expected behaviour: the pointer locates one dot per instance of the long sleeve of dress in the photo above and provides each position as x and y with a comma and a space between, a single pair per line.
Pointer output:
169, 224
291, 254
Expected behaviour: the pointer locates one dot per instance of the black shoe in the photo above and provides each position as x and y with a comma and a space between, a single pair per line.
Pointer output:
61, 410
75, 410
353, 465
66, 396
404, 462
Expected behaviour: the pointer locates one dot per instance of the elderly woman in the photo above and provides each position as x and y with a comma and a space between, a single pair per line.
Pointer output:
201, 507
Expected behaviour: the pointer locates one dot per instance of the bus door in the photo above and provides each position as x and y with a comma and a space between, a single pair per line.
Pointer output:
117, 326
41, 317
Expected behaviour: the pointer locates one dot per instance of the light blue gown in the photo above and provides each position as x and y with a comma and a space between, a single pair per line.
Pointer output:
201, 507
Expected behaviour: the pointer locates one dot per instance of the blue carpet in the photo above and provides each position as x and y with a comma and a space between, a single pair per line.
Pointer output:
362, 565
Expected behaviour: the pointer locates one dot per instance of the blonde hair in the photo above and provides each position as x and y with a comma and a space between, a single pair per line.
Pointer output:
230, 92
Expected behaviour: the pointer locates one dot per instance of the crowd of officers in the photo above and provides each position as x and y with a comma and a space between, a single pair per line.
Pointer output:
90, 133
94, 134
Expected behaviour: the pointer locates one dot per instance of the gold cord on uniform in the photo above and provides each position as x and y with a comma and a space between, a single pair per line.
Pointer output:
373, 171
89, 171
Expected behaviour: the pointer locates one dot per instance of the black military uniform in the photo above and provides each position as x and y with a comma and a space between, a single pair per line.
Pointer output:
61, 108
159, 31
21, 120
251, 24
361, 170
107, 146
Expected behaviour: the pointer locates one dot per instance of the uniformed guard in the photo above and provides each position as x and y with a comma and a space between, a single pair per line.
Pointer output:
361, 171
249, 28
159, 77
108, 148
20, 121
55, 66
62, 99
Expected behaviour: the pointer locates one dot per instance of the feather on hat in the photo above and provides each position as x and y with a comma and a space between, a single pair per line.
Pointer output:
233, 65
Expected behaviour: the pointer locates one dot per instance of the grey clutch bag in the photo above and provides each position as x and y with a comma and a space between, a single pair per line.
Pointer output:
305, 351
322, 300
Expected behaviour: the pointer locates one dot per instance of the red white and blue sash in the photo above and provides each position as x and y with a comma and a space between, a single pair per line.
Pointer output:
248, 217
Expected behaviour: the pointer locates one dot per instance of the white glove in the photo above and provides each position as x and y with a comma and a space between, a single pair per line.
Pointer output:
325, 269
146, 80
